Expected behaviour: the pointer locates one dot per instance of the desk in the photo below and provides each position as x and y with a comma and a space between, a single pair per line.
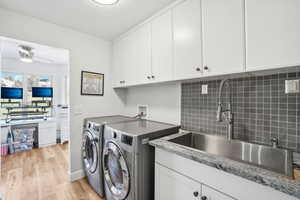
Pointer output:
46, 130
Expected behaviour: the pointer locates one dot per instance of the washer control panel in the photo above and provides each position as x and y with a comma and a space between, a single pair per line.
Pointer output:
126, 139
120, 137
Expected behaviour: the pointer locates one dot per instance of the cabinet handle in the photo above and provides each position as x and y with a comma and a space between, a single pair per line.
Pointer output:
198, 69
205, 68
203, 198
152, 76
148, 77
196, 194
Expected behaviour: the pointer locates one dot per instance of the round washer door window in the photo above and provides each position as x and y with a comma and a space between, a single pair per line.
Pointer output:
90, 152
116, 173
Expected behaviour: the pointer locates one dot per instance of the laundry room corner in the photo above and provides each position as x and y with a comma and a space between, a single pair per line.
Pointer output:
150, 100
96, 57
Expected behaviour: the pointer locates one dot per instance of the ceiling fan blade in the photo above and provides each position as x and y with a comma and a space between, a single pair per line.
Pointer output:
43, 60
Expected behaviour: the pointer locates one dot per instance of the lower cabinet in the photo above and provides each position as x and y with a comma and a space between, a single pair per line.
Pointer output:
172, 185
179, 178
63, 125
4, 133
47, 133
211, 194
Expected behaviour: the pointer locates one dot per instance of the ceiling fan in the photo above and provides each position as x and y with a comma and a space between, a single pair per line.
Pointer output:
27, 55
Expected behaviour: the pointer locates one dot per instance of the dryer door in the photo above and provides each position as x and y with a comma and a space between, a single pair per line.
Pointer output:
116, 172
90, 152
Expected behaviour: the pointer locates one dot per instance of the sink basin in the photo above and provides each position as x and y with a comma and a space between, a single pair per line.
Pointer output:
274, 159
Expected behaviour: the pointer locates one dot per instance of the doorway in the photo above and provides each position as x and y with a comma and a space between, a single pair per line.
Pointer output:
35, 120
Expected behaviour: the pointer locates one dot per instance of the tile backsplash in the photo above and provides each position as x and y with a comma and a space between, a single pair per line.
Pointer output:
261, 109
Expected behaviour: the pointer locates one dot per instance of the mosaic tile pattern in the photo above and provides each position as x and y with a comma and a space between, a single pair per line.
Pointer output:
261, 109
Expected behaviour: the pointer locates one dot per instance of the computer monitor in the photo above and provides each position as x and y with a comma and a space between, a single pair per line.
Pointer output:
11, 93
45, 92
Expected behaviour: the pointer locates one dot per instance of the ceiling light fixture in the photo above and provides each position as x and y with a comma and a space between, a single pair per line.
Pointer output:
105, 2
26, 54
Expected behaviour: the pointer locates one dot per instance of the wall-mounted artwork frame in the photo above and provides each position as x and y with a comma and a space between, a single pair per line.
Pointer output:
92, 83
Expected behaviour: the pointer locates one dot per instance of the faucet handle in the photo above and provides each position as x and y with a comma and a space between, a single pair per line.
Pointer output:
274, 142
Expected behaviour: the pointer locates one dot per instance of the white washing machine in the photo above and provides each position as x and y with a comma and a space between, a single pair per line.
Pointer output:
92, 147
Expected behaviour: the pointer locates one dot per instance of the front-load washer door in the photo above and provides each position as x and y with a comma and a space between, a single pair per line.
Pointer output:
90, 152
116, 172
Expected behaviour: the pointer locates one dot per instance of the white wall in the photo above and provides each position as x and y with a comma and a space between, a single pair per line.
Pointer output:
86, 53
163, 101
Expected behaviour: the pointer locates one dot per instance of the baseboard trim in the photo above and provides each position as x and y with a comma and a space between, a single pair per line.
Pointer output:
79, 174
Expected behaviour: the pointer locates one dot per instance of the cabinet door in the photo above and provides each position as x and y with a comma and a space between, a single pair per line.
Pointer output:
171, 185
212, 194
141, 58
118, 67
272, 33
64, 127
223, 36
47, 133
124, 66
128, 63
187, 40
4, 134
162, 48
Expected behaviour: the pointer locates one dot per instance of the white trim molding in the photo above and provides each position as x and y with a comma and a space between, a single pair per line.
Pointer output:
76, 175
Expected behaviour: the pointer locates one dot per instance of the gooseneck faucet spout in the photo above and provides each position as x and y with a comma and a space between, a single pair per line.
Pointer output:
225, 114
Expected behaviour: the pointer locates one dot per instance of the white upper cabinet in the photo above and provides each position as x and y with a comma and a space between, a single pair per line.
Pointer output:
223, 36
124, 70
199, 38
187, 40
131, 57
272, 33
142, 53
118, 68
162, 48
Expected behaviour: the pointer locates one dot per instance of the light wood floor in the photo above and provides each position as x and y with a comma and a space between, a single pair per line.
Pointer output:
41, 174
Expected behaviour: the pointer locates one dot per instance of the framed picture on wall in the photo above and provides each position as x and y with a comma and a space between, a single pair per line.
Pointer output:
92, 83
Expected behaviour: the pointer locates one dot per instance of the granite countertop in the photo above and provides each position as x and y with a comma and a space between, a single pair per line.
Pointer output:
244, 170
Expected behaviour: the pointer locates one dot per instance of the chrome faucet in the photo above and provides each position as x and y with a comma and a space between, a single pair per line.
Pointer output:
225, 114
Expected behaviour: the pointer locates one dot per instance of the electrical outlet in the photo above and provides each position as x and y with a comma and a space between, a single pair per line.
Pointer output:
204, 89
143, 111
292, 86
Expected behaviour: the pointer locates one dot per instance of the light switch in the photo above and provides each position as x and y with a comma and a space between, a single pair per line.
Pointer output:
292, 86
78, 109
204, 89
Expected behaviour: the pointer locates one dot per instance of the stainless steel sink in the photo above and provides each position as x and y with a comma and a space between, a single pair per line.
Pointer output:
274, 159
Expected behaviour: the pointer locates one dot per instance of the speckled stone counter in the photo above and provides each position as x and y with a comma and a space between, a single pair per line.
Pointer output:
250, 172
